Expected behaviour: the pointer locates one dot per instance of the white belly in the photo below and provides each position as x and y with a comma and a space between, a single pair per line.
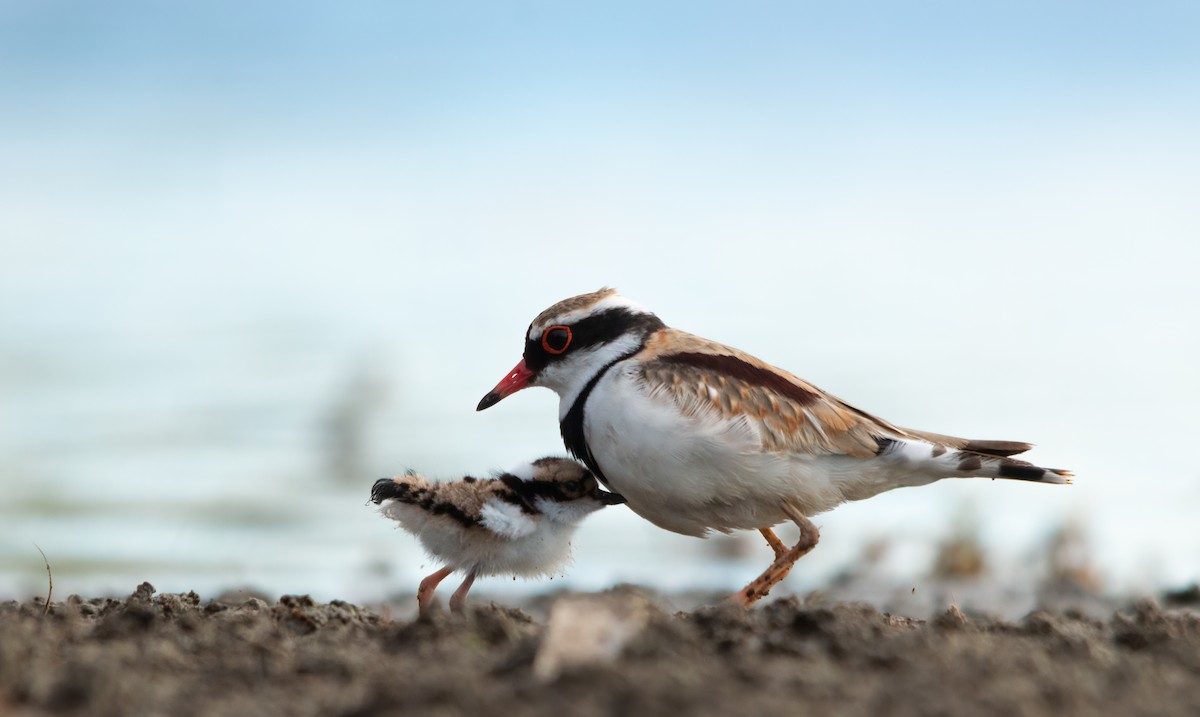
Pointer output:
690, 474
542, 552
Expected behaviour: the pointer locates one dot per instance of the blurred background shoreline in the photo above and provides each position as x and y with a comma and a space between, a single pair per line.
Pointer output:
253, 258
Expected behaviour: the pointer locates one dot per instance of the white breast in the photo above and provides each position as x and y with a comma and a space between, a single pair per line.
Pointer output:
692, 473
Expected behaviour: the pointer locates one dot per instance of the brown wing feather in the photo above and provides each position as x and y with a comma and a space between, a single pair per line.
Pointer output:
460, 500
791, 414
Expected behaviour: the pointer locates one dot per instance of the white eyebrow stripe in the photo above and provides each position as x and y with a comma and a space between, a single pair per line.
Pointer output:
616, 301
524, 471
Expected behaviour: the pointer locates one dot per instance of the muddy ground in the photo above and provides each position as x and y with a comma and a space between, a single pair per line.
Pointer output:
615, 653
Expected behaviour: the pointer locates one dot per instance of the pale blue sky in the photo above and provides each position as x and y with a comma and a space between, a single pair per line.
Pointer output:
399, 67
407, 121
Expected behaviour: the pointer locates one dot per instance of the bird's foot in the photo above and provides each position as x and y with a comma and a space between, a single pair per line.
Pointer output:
458, 601
425, 591
778, 570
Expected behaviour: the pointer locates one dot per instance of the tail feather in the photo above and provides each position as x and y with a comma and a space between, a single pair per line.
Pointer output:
407, 488
936, 460
974, 463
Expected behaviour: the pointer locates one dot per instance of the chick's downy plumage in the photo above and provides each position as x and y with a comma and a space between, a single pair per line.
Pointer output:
519, 522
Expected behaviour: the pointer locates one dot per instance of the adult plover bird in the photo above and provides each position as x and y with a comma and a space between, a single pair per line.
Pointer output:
517, 523
699, 436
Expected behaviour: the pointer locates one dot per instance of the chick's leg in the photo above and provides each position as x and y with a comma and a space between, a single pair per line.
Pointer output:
428, 585
458, 601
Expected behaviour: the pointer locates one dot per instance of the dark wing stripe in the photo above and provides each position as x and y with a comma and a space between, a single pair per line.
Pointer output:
735, 367
996, 448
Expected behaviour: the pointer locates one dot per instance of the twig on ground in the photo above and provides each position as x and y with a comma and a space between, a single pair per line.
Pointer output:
49, 576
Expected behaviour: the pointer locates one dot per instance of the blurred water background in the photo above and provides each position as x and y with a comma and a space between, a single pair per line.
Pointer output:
253, 257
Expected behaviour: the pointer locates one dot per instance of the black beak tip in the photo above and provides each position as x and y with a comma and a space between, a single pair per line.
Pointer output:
610, 498
488, 401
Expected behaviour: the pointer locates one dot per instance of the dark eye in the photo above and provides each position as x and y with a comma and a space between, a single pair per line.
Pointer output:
573, 486
556, 339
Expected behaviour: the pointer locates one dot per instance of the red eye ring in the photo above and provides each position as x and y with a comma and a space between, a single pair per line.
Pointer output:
546, 343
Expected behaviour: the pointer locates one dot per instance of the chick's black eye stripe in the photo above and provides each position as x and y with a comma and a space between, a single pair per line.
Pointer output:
524, 492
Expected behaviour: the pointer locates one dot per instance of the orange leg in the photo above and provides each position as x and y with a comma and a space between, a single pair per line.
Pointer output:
458, 601
428, 585
778, 570
774, 541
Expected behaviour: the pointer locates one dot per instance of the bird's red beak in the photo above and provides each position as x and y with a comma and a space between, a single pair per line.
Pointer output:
516, 380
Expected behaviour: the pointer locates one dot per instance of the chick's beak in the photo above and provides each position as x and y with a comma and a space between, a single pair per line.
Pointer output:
516, 380
609, 498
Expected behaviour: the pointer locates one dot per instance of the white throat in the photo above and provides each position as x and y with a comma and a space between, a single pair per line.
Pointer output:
568, 378
566, 513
